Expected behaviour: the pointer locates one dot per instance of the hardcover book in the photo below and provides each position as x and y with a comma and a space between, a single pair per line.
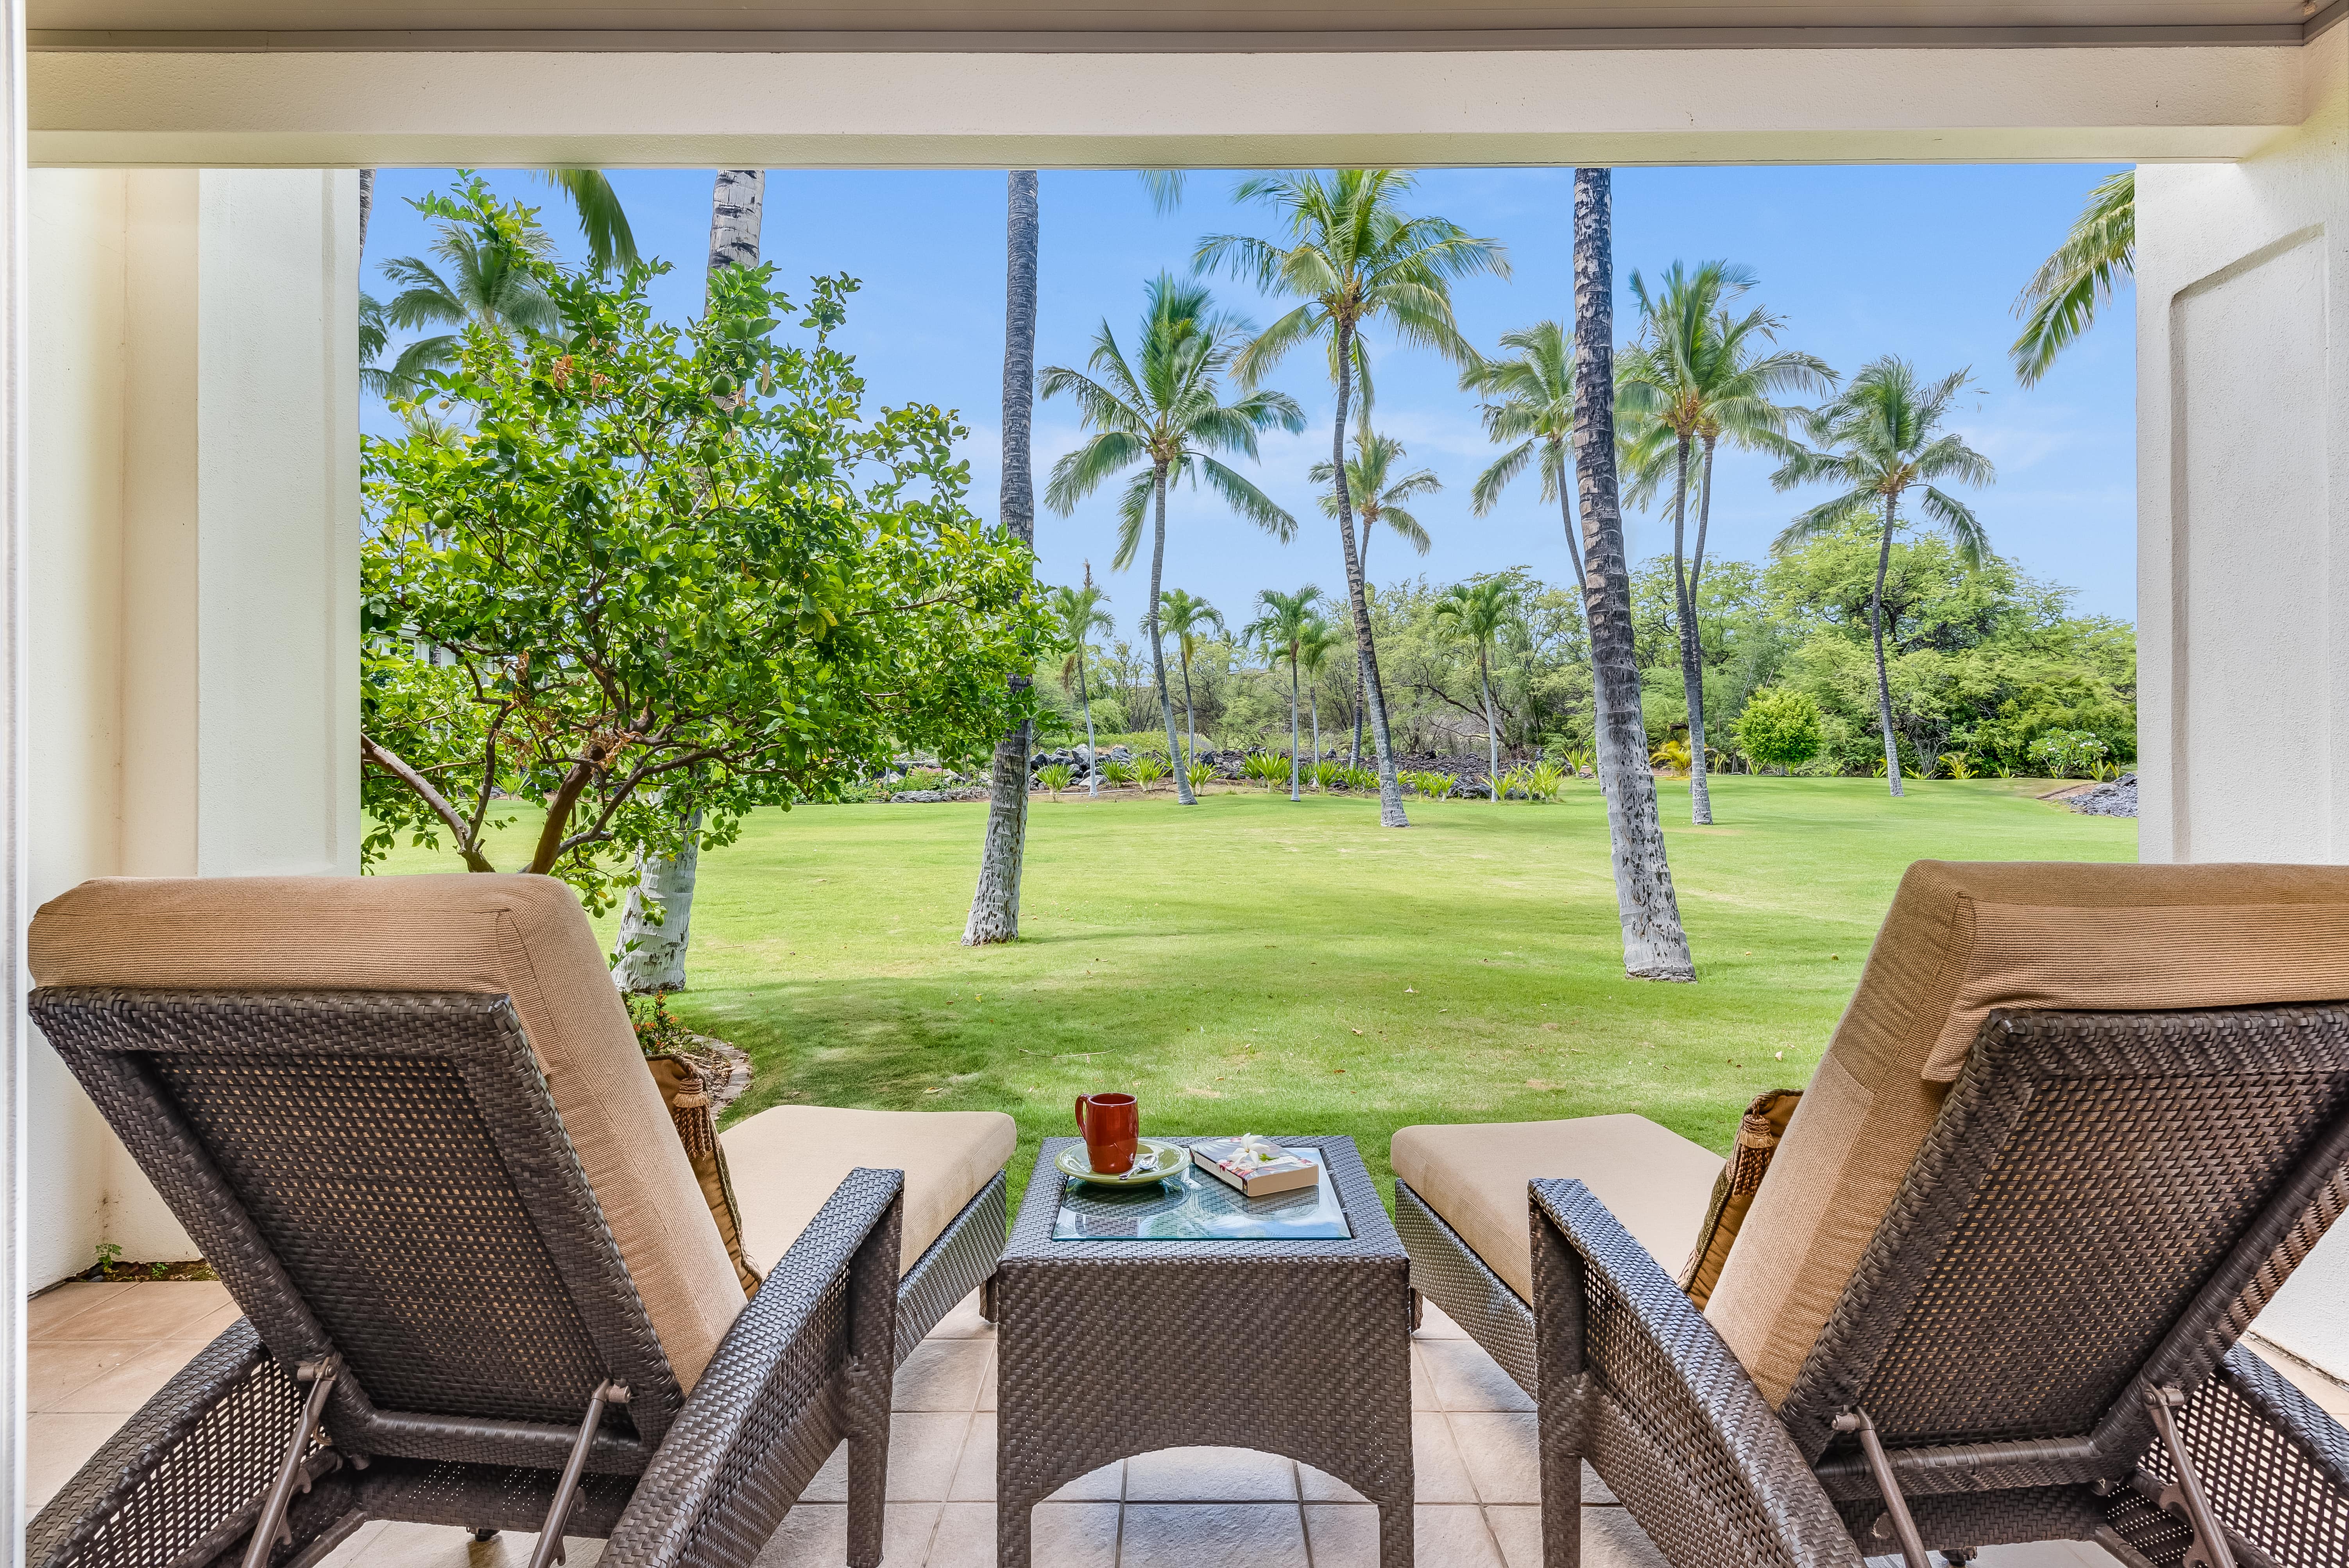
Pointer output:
1257, 1166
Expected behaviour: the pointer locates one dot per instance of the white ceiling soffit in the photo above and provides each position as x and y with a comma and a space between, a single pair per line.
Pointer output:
1139, 26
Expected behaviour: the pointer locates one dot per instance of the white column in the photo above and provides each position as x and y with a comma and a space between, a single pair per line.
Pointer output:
194, 574
15, 1031
2243, 535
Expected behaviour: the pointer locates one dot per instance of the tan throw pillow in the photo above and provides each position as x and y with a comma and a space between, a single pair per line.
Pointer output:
686, 1096
1758, 1132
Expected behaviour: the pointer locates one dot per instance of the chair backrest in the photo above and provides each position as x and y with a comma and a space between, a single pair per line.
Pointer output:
1959, 942
383, 1176
2104, 1203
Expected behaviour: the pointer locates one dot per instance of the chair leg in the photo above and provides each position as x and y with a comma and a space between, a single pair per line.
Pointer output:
1561, 1489
868, 1485
987, 1308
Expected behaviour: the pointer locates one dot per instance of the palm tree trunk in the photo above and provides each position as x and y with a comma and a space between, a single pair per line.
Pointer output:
1582, 586
1875, 629
1694, 682
1391, 812
1692, 659
1190, 714
995, 903
366, 205
1313, 695
1292, 722
650, 956
1654, 945
1182, 794
1492, 728
1092, 752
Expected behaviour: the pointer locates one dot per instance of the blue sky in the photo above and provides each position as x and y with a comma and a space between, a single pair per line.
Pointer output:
1860, 260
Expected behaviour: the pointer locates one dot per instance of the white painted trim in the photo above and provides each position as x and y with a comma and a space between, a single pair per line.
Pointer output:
14, 1025
994, 110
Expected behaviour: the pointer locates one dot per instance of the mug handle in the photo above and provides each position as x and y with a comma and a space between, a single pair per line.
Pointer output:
1082, 1130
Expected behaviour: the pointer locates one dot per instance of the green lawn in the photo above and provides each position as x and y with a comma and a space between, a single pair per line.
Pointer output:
1253, 966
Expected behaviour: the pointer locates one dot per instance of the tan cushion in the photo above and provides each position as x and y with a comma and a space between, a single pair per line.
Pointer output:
1656, 1181
786, 1160
524, 936
1959, 940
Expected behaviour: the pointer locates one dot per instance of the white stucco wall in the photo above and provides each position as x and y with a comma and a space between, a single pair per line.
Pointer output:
2243, 535
194, 578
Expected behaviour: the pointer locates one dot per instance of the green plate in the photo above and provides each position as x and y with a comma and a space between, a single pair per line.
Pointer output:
1154, 1160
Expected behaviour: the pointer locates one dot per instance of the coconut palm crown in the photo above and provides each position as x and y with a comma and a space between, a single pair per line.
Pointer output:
2096, 256
1283, 625
1162, 415
1878, 440
1698, 374
1188, 621
1528, 399
1354, 258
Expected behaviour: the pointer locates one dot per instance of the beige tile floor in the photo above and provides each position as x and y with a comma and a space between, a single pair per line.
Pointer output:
98, 1351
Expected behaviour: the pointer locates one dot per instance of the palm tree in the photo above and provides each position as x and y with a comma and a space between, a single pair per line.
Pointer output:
1882, 437
2060, 301
484, 282
1353, 257
1528, 399
1282, 626
1695, 374
1379, 494
1313, 650
1655, 947
995, 901
1077, 614
1165, 412
1477, 612
1188, 619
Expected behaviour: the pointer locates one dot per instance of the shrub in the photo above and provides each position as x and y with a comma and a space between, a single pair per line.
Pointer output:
1779, 728
1199, 773
1270, 767
1366, 778
2068, 751
1055, 777
1116, 772
1330, 776
923, 778
1434, 786
1149, 768
1545, 781
1673, 754
657, 1032
1958, 765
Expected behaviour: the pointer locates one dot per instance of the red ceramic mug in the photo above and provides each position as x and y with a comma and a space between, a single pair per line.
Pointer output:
1112, 1125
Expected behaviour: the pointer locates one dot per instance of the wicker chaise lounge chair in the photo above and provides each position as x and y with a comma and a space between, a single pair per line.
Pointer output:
407, 1120
2077, 1128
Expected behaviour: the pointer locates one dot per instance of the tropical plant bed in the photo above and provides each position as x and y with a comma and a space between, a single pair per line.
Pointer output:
121, 1272
1251, 963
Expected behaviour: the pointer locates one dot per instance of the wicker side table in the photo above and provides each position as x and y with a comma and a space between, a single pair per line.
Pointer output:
1108, 1348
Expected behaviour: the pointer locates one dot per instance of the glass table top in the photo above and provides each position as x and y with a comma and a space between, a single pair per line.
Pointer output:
1195, 1207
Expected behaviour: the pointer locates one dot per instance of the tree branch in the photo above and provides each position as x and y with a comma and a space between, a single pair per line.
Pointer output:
474, 860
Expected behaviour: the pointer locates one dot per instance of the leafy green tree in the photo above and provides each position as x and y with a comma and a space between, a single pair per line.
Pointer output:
1779, 730
1189, 620
1655, 945
1284, 623
1379, 494
1695, 373
1164, 412
1476, 612
1076, 616
2096, 256
1880, 439
1354, 258
674, 569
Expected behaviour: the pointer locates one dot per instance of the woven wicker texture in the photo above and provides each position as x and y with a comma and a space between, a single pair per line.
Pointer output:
313, 1143
2275, 1466
1108, 1349
1660, 1408
1447, 1271
196, 1460
962, 1258
2102, 1195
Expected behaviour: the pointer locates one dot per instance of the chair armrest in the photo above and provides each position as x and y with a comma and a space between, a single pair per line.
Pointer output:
1635, 1379
807, 1362
2275, 1466
189, 1468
